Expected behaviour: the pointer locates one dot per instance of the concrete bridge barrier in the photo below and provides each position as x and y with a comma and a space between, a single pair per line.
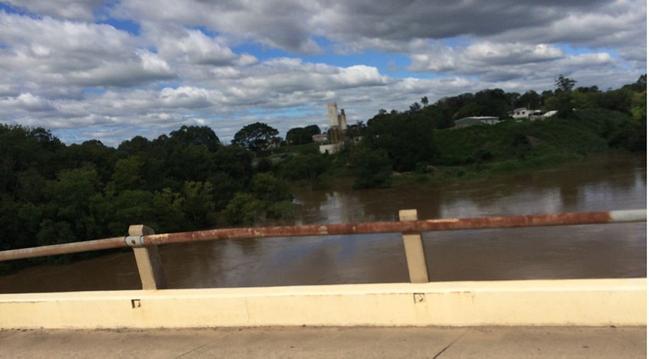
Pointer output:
579, 302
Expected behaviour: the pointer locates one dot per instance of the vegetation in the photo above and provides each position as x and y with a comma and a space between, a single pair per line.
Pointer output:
420, 140
55, 193
257, 137
302, 135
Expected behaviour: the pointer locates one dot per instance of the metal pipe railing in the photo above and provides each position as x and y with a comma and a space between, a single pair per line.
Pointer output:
414, 226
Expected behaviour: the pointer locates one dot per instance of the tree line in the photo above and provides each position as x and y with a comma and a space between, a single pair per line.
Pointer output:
188, 179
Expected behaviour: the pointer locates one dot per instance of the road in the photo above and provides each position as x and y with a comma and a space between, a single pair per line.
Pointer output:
492, 342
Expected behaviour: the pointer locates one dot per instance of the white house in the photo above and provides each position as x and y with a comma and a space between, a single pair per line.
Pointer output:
525, 113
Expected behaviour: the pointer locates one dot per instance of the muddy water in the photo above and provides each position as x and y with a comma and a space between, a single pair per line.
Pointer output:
603, 183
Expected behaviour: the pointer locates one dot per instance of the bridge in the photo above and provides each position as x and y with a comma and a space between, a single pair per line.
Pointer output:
519, 310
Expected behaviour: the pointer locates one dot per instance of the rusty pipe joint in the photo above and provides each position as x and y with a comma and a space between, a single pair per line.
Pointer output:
134, 241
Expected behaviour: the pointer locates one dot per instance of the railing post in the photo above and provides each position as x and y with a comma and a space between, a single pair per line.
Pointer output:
147, 259
415, 257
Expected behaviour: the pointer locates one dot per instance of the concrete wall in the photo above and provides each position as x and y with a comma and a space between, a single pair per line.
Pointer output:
331, 148
593, 302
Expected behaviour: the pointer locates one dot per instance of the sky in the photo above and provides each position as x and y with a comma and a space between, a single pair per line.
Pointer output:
111, 70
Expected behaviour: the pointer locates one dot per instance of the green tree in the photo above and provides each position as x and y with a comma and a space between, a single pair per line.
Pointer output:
257, 137
243, 209
128, 173
415, 107
198, 204
196, 135
305, 167
529, 99
302, 135
564, 83
372, 168
169, 214
639, 106
269, 188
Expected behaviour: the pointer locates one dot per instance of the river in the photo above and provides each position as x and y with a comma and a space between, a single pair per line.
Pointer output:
606, 182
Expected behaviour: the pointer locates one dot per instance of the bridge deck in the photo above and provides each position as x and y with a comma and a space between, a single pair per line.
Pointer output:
488, 342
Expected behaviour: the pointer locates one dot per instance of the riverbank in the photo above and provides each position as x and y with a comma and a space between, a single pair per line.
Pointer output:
400, 149
493, 171
444, 175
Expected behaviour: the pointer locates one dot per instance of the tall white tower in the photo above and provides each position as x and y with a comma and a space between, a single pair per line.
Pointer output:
332, 114
342, 120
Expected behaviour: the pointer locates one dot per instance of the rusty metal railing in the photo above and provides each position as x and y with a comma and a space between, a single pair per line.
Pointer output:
144, 241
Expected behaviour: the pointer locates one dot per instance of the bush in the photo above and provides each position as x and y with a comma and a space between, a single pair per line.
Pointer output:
372, 168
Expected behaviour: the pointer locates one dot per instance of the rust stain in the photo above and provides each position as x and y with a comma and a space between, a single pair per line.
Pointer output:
318, 230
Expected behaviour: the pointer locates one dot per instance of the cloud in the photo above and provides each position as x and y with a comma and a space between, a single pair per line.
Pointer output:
69, 9
279, 23
482, 54
27, 102
51, 52
228, 63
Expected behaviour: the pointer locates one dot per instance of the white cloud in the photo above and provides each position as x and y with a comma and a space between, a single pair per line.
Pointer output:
27, 102
197, 48
70, 9
61, 69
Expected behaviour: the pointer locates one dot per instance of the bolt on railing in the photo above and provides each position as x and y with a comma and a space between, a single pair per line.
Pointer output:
144, 241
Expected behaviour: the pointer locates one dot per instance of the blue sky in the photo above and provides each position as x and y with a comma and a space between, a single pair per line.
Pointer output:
115, 69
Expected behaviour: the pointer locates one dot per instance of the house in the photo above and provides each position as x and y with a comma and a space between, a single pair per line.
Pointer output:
525, 113
476, 120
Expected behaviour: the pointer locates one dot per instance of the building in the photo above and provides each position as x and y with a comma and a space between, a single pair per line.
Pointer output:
532, 115
476, 120
525, 113
336, 134
336, 119
331, 148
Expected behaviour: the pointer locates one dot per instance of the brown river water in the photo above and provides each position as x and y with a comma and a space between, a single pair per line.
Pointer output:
587, 251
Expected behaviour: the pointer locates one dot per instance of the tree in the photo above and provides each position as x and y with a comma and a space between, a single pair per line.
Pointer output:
134, 145
372, 168
529, 99
562, 99
270, 188
564, 84
244, 208
424, 101
305, 167
415, 107
128, 173
257, 137
302, 135
198, 203
560, 102
196, 135
356, 130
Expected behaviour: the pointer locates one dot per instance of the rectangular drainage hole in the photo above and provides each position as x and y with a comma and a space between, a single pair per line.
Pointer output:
418, 297
135, 303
